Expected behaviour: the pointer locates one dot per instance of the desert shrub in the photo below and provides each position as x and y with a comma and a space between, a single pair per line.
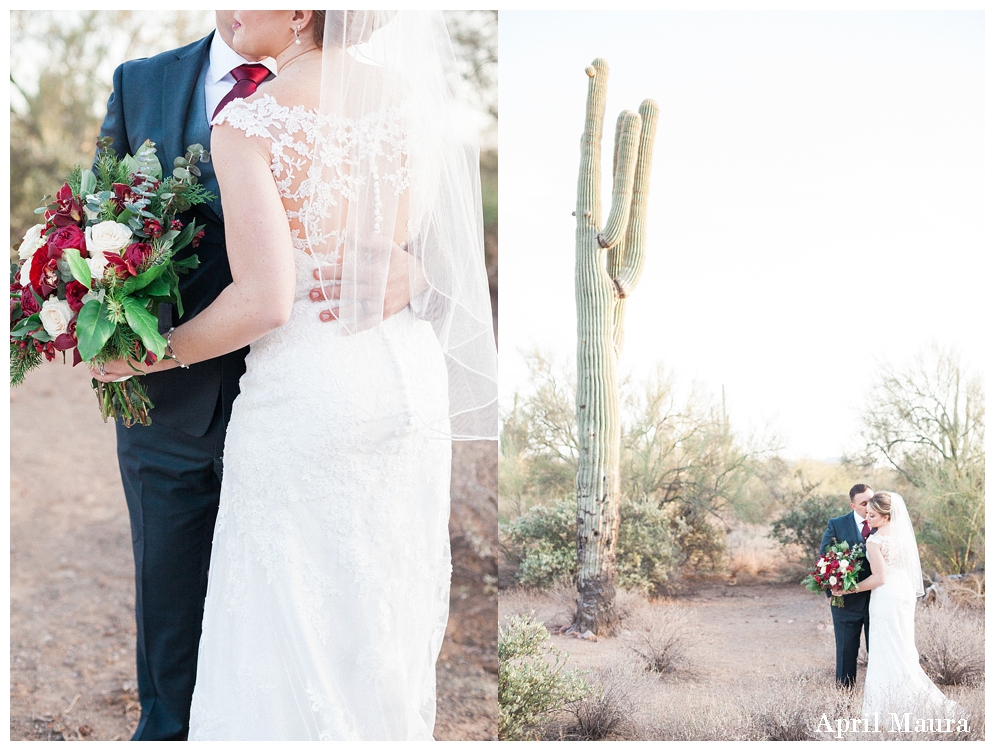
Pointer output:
789, 707
752, 551
701, 541
531, 680
543, 541
805, 522
951, 643
660, 635
648, 554
613, 706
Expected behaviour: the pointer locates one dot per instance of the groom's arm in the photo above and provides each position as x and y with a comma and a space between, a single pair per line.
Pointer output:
113, 125
827, 537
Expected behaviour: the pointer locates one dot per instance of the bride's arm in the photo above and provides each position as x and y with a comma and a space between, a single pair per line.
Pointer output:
260, 255
878, 568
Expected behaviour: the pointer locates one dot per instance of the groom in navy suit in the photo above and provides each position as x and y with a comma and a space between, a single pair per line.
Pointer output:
171, 470
852, 618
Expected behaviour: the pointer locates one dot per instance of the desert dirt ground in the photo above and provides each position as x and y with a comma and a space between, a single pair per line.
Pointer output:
72, 630
739, 633
743, 640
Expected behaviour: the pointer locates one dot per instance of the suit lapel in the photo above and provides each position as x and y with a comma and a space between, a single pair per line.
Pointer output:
179, 81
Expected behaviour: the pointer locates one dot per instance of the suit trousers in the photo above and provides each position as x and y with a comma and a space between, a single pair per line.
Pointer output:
172, 483
848, 622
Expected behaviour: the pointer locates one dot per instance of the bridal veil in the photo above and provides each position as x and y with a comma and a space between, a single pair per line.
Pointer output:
395, 73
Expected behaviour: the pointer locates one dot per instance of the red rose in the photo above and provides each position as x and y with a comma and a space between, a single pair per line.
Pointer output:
69, 236
197, 238
74, 295
153, 228
29, 304
67, 209
136, 255
44, 273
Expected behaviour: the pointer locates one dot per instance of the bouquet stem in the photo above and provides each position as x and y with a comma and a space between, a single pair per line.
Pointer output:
836, 601
125, 401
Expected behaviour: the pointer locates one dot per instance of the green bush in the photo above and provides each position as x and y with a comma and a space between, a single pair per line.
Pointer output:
543, 544
702, 543
804, 523
648, 557
531, 679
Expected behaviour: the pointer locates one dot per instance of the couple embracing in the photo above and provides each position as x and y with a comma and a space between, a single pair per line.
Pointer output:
336, 338
885, 595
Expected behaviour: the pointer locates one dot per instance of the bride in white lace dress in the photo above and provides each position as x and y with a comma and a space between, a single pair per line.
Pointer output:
895, 682
329, 577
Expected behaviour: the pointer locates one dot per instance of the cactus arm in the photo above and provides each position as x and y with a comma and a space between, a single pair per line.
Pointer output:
627, 274
627, 128
589, 181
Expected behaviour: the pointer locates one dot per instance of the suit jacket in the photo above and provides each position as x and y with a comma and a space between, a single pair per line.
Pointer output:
845, 528
161, 98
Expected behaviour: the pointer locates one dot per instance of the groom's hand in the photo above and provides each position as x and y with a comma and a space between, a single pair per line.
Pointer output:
399, 287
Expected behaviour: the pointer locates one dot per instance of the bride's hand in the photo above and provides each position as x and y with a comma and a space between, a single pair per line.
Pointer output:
117, 370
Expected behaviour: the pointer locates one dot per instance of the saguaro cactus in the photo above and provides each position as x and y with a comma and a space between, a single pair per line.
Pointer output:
609, 264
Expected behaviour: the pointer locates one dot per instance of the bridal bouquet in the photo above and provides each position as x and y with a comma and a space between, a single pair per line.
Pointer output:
837, 569
92, 277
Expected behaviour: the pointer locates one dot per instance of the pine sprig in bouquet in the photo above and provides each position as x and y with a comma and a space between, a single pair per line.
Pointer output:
92, 277
836, 569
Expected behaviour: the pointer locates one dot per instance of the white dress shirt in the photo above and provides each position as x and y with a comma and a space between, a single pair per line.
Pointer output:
222, 61
856, 517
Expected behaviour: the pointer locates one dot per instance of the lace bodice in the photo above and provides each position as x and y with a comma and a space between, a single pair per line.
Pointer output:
892, 551
361, 154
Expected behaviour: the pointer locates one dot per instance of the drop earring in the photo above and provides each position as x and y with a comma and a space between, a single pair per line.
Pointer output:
297, 36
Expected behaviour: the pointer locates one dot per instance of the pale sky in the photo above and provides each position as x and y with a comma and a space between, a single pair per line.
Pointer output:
816, 206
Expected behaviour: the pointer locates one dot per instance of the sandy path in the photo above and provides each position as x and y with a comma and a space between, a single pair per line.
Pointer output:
72, 626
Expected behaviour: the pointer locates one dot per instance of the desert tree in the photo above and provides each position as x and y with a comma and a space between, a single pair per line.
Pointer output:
926, 420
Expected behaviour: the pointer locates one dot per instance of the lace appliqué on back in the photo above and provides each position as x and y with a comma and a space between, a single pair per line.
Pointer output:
365, 152
892, 552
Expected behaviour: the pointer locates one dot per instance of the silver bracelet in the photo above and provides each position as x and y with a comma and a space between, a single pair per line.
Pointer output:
169, 347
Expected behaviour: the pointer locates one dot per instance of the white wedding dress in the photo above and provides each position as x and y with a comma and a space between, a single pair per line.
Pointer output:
329, 578
895, 682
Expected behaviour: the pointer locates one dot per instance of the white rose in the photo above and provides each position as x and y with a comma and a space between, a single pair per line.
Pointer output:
25, 277
34, 238
107, 236
55, 316
844, 563
832, 580
97, 263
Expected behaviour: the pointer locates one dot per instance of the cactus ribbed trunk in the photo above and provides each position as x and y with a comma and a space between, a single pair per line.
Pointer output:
609, 262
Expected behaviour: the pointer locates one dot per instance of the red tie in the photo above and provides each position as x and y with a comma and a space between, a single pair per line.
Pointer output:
247, 79
865, 531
